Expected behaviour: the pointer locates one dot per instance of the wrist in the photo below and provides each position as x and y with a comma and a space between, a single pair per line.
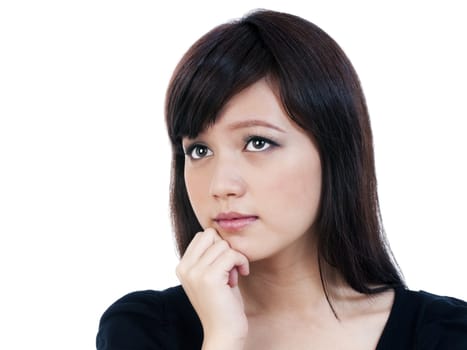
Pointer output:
224, 342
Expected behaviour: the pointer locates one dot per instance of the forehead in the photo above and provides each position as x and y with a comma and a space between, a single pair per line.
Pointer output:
256, 105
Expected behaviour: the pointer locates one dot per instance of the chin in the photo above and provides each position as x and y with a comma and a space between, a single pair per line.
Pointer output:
244, 246
239, 244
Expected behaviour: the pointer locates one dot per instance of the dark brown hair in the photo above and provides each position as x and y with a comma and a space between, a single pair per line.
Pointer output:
321, 92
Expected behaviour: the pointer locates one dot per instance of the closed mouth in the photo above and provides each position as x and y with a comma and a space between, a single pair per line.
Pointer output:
234, 221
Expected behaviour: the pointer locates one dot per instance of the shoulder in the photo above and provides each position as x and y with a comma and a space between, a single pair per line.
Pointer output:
148, 319
426, 321
443, 322
148, 304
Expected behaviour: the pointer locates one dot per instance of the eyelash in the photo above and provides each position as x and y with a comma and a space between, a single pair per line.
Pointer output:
251, 138
191, 148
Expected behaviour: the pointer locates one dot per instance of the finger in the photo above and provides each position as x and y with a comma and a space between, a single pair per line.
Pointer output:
244, 270
213, 252
199, 244
215, 235
233, 277
228, 260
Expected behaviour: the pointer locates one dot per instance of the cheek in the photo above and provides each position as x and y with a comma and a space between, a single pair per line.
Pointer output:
292, 192
197, 189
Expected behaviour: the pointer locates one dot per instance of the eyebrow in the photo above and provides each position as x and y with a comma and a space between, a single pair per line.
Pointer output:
253, 122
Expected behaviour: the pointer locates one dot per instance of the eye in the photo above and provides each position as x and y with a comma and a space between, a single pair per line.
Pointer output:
258, 144
198, 151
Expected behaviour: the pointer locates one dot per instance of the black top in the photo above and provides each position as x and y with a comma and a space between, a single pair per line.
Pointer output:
166, 320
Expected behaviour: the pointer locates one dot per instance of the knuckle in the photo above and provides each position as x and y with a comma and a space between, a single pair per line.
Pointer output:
209, 230
196, 237
223, 244
232, 254
211, 234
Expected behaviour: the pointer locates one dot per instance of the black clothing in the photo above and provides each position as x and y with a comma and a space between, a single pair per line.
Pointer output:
166, 320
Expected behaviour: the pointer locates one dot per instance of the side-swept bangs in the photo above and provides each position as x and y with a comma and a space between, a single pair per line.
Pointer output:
222, 63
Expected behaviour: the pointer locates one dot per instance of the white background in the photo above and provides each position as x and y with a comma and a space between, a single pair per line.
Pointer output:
84, 158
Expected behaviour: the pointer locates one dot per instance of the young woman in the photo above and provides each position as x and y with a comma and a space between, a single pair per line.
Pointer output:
275, 208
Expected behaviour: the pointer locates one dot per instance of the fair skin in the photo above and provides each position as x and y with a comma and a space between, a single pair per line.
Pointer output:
254, 182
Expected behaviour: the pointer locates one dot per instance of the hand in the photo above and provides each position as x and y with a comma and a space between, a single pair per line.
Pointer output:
208, 272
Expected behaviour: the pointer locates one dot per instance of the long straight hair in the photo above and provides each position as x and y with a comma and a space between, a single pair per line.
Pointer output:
321, 93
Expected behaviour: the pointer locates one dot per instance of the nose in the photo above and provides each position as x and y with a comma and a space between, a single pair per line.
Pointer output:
227, 180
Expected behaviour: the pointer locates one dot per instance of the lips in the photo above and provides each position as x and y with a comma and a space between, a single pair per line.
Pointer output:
234, 221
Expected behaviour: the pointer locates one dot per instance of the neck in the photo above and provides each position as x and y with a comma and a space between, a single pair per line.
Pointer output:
288, 282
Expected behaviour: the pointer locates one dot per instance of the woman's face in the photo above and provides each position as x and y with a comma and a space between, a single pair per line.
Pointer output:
254, 175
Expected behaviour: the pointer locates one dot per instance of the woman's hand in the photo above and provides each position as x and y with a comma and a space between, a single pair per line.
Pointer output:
208, 272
